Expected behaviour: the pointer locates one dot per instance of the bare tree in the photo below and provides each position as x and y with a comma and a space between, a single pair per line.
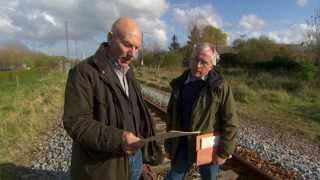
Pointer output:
313, 32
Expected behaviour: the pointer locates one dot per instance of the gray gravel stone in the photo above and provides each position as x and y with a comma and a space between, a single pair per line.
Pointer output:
54, 157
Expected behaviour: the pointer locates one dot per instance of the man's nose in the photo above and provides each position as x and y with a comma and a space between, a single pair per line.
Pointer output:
198, 64
132, 51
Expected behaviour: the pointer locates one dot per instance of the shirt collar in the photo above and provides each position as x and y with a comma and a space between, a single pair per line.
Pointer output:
116, 66
191, 78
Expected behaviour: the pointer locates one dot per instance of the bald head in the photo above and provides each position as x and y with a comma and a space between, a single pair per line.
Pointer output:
124, 40
124, 26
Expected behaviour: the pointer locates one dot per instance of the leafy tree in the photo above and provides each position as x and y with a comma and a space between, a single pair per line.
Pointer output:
238, 43
257, 50
174, 46
207, 34
194, 36
213, 35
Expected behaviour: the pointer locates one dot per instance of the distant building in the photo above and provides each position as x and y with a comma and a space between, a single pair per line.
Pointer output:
296, 47
5, 68
226, 49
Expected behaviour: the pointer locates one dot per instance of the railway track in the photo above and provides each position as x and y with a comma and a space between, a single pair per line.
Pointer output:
244, 164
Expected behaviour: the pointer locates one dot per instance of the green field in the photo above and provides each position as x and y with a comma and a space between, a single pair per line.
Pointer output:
270, 98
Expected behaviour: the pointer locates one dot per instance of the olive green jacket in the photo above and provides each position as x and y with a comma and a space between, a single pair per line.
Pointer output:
213, 110
95, 112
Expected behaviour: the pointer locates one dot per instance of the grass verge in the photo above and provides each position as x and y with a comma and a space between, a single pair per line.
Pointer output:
31, 102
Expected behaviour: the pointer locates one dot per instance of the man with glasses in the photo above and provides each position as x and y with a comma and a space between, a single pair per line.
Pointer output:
201, 100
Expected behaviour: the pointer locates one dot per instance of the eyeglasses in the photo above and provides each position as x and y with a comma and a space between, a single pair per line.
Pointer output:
201, 62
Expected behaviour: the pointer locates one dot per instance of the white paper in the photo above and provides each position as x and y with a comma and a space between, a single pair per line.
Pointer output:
168, 135
209, 142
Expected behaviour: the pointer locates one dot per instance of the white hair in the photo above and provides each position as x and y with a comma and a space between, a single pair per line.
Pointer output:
201, 46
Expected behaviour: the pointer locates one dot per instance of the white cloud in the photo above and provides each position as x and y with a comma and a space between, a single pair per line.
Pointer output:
160, 35
294, 34
274, 36
4, 22
43, 21
7, 28
301, 2
49, 18
199, 16
154, 30
251, 22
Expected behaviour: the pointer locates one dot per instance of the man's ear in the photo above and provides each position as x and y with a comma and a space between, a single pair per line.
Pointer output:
110, 34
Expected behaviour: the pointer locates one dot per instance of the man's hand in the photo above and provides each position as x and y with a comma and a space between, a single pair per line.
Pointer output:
133, 143
220, 161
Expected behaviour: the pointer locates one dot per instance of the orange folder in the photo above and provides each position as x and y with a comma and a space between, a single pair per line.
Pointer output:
206, 148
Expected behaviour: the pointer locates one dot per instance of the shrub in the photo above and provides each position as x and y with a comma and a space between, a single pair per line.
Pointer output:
243, 93
279, 63
230, 60
272, 81
308, 70
292, 85
148, 58
278, 96
262, 80
173, 59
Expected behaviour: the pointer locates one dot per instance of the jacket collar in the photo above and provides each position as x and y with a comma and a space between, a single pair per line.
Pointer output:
214, 80
191, 78
101, 58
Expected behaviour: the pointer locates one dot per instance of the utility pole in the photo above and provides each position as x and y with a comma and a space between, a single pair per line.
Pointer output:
67, 45
75, 49
142, 45
67, 39
141, 60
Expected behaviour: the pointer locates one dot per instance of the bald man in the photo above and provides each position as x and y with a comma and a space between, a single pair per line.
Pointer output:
104, 112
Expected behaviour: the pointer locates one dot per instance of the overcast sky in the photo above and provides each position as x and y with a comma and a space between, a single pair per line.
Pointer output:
40, 24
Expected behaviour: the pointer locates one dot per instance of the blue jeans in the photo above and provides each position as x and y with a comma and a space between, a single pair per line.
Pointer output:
180, 166
136, 165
